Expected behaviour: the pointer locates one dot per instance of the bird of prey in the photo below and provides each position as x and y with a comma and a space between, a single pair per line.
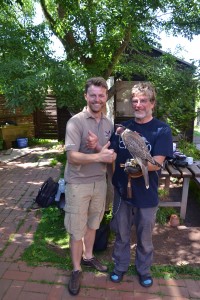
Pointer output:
138, 150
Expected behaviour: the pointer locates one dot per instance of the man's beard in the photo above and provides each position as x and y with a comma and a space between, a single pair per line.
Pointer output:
142, 114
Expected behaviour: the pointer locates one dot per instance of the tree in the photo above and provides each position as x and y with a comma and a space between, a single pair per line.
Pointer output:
100, 38
95, 34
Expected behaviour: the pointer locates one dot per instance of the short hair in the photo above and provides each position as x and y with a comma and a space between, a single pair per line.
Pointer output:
145, 88
97, 81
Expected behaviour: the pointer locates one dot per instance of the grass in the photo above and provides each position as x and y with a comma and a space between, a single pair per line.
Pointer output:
197, 131
51, 242
53, 156
43, 142
51, 247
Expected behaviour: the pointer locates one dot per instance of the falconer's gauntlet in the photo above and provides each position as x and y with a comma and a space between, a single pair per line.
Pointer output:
133, 170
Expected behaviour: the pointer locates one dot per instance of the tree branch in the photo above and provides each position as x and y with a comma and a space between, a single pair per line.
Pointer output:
116, 55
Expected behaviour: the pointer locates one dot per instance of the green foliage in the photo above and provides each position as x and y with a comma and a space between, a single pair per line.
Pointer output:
172, 80
107, 217
189, 149
100, 38
163, 193
171, 271
163, 214
24, 58
36, 142
67, 81
177, 272
59, 158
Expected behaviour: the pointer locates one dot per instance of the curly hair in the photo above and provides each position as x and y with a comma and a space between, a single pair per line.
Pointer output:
144, 88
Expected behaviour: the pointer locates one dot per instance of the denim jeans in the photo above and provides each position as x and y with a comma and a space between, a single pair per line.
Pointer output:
124, 217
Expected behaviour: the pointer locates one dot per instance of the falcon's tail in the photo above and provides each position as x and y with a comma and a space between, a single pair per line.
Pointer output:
145, 175
145, 172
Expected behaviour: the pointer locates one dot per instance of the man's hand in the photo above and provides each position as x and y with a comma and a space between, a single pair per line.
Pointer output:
92, 140
107, 155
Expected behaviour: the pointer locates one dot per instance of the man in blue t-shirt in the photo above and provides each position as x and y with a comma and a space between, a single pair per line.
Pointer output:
141, 208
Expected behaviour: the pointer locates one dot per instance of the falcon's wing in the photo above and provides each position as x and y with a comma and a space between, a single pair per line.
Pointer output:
138, 149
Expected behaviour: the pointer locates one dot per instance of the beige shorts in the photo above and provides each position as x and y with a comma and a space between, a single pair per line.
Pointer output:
85, 206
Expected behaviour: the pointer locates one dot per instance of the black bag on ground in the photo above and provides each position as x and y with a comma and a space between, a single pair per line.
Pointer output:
102, 237
47, 192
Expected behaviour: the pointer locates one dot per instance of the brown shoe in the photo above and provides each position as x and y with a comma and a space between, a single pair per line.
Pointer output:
74, 282
94, 263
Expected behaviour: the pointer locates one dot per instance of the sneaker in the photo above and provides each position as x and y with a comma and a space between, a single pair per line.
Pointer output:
94, 263
116, 276
145, 280
74, 282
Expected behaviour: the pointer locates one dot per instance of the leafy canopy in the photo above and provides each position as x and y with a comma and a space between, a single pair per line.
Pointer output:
100, 38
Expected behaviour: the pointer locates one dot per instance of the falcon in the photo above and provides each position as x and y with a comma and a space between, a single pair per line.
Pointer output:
138, 150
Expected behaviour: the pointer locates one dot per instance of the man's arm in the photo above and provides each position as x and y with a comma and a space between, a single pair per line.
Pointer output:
160, 159
104, 156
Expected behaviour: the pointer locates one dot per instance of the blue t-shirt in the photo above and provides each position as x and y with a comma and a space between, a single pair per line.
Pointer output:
158, 138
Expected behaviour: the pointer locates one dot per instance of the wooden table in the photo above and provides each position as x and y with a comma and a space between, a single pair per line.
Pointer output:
9, 133
190, 172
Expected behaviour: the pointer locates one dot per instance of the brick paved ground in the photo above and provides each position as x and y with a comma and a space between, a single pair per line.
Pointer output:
19, 184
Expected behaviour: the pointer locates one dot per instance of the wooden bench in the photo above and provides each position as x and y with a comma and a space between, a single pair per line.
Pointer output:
190, 172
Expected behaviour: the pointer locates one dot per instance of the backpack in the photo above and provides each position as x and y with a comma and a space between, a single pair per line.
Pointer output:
102, 237
47, 192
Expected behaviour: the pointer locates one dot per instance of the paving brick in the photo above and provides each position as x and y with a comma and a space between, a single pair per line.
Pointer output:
144, 296
174, 291
21, 266
37, 287
88, 279
56, 292
3, 267
117, 295
177, 282
175, 298
93, 293
10, 251
127, 286
100, 279
14, 290
44, 273
4, 286
192, 285
16, 275
32, 296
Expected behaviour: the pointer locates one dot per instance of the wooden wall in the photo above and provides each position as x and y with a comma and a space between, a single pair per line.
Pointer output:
15, 116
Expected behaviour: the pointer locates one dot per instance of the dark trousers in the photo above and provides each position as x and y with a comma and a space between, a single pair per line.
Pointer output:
124, 217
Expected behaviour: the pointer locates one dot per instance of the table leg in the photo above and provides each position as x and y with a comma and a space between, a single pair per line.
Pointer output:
167, 183
184, 199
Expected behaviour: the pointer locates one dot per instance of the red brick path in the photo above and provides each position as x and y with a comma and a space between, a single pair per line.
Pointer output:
19, 184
